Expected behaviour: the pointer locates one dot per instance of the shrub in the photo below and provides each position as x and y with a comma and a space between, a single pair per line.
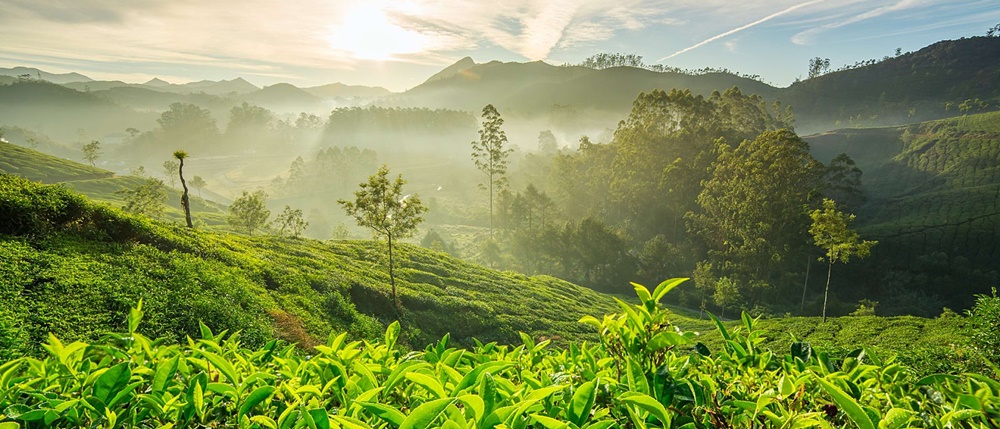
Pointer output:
984, 326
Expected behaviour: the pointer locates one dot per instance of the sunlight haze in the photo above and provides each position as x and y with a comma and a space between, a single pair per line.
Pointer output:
399, 44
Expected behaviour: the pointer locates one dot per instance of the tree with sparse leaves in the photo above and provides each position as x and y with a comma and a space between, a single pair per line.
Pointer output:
180, 155
490, 154
291, 221
198, 183
249, 212
169, 167
91, 152
818, 66
146, 199
831, 231
381, 206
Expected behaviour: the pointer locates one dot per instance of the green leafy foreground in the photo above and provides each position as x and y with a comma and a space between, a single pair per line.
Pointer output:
644, 373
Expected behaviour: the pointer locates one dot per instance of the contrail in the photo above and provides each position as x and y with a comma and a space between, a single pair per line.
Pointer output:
736, 30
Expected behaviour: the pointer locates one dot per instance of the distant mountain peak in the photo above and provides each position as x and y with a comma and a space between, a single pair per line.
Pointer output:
454, 69
157, 82
341, 90
59, 78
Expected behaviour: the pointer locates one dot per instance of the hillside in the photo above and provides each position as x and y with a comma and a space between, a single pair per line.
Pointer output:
284, 97
34, 73
98, 184
934, 202
339, 90
62, 112
34, 165
536, 87
57, 244
907, 88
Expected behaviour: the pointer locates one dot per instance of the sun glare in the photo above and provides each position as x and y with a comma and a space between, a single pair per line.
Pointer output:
367, 33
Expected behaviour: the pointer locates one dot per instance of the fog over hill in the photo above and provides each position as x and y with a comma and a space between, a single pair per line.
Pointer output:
588, 158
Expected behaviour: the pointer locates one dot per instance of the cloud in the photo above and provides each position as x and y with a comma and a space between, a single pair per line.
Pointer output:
738, 29
804, 37
534, 28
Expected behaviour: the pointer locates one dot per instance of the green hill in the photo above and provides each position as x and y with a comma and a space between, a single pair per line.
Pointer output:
934, 205
98, 184
65, 113
536, 87
34, 165
57, 244
73, 267
907, 88
903, 89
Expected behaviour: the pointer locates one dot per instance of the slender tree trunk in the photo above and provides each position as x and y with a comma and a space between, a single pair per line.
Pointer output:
802, 306
491, 207
185, 201
826, 294
392, 276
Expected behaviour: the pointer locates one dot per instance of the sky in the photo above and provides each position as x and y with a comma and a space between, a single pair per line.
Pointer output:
399, 44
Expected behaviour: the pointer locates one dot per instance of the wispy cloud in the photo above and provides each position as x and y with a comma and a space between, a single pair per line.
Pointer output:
804, 37
364, 39
738, 29
534, 28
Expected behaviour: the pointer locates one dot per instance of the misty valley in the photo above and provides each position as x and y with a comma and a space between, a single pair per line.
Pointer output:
605, 243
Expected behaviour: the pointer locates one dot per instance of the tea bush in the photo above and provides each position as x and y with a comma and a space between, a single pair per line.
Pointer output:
644, 373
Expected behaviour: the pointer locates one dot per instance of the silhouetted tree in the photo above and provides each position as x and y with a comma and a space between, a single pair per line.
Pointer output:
180, 155
818, 66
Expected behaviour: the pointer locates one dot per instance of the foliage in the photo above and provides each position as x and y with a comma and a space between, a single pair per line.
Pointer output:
55, 243
249, 212
490, 154
932, 207
378, 128
984, 326
37, 166
644, 373
145, 199
188, 125
198, 183
381, 206
831, 232
752, 214
291, 221
842, 182
818, 66
547, 142
331, 172
92, 151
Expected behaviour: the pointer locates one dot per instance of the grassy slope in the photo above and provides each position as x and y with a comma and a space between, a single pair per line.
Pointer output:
74, 267
934, 197
98, 184
34, 165
76, 271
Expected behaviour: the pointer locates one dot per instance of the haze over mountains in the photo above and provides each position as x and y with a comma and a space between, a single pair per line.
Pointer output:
308, 147
891, 91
